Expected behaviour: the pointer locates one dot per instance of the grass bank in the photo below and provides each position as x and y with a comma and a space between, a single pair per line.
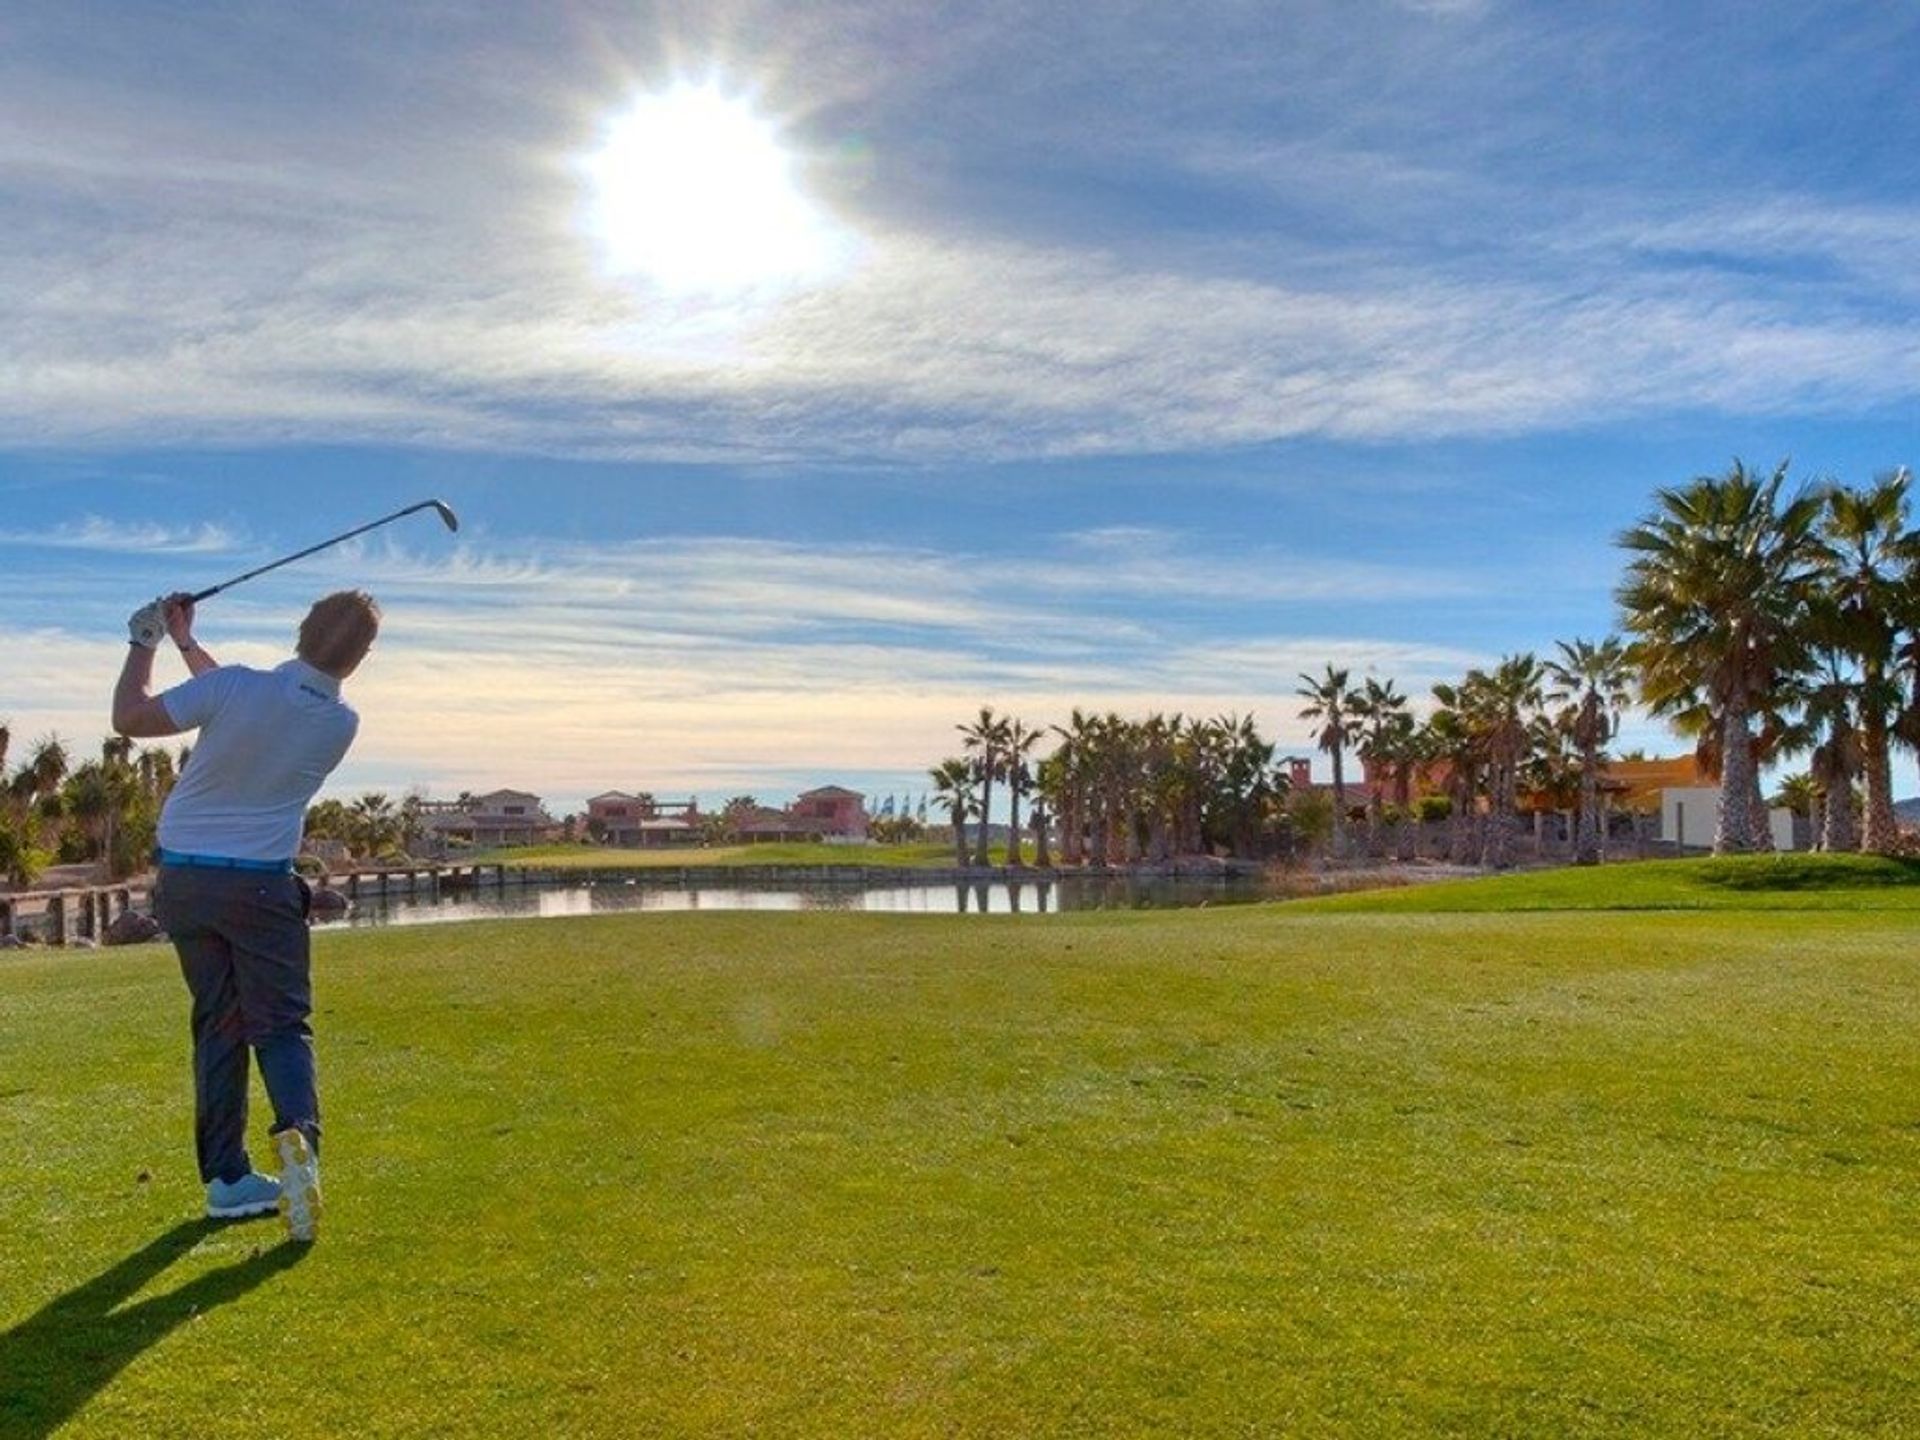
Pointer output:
1241, 1172
608, 857
1752, 882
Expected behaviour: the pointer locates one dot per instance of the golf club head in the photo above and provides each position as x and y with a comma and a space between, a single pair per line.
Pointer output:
445, 511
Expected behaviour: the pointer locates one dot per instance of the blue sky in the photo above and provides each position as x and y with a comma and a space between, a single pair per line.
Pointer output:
1164, 352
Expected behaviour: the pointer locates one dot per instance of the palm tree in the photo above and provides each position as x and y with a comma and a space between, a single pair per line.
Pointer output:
1513, 692
1869, 562
953, 788
1017, 748
1716, 599
1048, 785
1834, 764
1381, 721
1245, 784
1073, 764
1455, 736
1330, 703
986, 740
45, 770
1589, 682
373, 822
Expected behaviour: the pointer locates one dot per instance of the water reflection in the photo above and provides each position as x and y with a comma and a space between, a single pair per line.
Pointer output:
969, 897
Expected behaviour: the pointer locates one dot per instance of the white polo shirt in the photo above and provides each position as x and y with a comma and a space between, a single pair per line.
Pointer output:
268, 740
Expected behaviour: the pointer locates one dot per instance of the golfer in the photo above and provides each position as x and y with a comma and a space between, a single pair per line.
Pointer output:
226, 889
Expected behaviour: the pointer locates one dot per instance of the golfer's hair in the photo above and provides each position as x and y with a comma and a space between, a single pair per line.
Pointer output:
339, 631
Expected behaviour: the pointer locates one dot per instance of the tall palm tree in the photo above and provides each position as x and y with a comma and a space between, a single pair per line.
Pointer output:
1514, 694
1330, 704
1589, 683
985, 740
1716, 598
953, 788
1118, 765
1835, 761
1869, 562
1247, 784
1380, 716
1456, 732
1017, 749
1049, 784
1073, 759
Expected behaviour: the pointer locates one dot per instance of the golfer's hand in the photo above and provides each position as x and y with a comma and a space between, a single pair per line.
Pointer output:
147, 627
177, 609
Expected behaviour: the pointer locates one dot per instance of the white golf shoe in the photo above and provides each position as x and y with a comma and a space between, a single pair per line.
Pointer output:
299, 1185
237, 1199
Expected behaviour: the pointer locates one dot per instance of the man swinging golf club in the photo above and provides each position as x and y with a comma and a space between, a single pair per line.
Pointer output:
226, 889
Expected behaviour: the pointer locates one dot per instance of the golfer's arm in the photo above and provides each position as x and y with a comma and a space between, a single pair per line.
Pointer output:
137, 713
198, 660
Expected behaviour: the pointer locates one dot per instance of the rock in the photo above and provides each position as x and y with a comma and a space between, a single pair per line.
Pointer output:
83, 942
133, 928
330, 904
10, 942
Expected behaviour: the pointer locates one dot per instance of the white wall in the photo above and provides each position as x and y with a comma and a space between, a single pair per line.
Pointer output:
1688, 816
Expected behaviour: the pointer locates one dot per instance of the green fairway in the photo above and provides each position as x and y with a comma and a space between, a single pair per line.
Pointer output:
1248, 1172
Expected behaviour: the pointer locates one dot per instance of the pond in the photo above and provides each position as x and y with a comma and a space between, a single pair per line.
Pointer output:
985, 897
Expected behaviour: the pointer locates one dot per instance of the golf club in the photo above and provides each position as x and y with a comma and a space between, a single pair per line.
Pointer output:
439, 507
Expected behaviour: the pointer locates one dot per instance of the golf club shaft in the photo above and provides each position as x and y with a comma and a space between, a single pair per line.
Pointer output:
323, 545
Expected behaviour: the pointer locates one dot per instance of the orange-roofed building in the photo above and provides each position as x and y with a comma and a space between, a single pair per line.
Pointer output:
1638, 784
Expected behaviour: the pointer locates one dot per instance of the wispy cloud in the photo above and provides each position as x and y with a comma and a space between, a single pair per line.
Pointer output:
120, 536
250, 288
707, 663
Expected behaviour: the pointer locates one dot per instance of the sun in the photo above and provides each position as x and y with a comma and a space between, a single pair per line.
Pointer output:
693, 189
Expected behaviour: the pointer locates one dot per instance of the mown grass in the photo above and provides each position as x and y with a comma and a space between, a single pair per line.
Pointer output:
1752, 882
610, 857
1239, 1172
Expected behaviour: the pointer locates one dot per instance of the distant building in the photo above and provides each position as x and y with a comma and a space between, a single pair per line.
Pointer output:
837, 813
831, 813
641, 822
500, 817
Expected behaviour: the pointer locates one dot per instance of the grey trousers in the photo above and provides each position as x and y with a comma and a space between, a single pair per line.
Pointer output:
244, 951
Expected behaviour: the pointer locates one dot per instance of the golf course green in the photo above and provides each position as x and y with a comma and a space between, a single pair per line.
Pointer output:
1575, 1164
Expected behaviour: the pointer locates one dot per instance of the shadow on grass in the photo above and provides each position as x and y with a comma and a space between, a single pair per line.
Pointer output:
1809, 872
54, 1362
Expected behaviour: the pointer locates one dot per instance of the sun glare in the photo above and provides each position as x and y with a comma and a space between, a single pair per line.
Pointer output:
694, 190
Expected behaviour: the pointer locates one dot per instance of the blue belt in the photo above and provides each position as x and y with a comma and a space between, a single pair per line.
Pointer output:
223, 862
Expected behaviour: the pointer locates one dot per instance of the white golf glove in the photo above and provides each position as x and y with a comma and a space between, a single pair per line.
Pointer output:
147, 626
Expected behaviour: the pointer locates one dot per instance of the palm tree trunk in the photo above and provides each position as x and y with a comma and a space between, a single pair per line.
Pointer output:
1733, 833
1880, 835
1013, 821
1460, 846
960, 839
1586, 842
982, 853
1762, 816
1042, 855
1837, 833
1339, 807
